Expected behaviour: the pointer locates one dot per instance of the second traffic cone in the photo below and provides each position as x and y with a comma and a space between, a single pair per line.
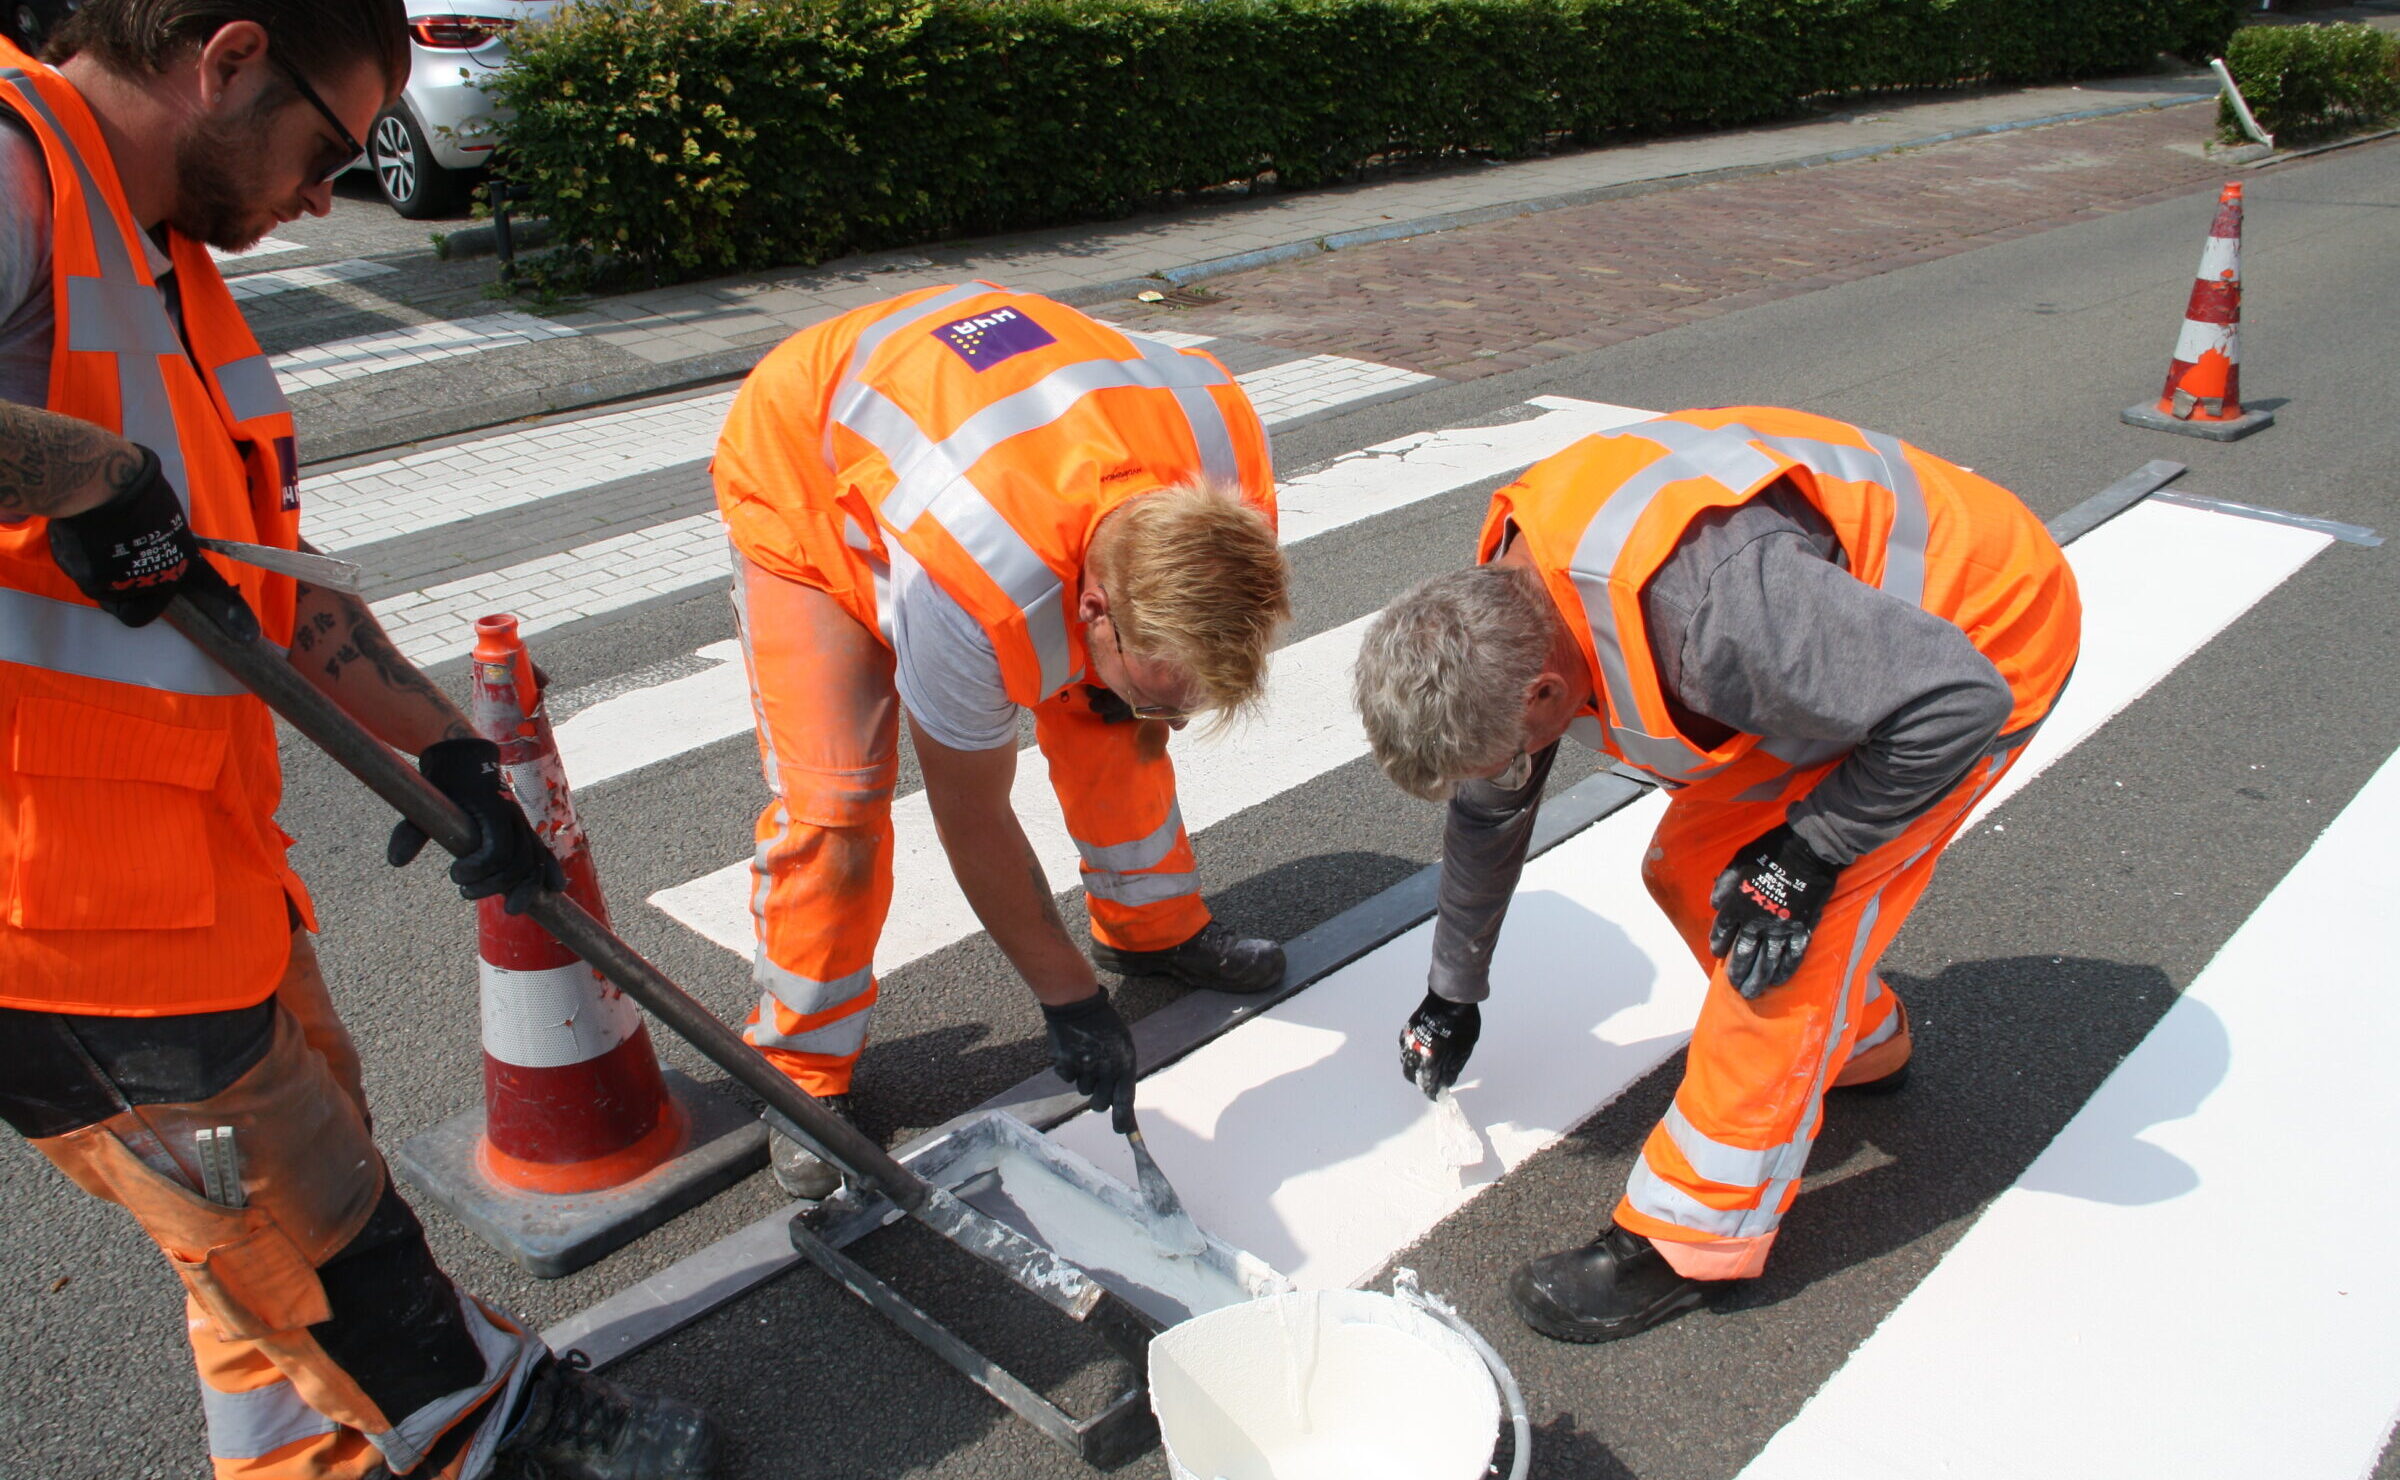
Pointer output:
582, 1143
2203, 394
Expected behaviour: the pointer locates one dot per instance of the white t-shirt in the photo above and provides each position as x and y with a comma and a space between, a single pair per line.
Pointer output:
944, 663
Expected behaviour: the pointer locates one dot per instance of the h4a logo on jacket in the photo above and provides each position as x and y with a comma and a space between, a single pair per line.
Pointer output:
985, 339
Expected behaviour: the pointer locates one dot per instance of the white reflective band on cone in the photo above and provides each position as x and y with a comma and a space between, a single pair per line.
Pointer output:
553, 1018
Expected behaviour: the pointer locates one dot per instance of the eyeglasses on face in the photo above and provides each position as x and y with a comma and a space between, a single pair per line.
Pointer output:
1140, 711
354, 153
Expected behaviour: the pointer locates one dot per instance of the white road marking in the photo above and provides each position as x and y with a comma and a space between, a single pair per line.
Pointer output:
1320, 382
466, 480
265, 246
1326, 1173
289, 279
625, 733
2195, 1279
419, 344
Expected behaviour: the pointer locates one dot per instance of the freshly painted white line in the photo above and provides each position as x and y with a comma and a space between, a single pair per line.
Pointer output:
1291, 1136
465, 480
650, 725
285, 280
2196, 1278
1320, 382
419, 344
2158, 582
1306, 729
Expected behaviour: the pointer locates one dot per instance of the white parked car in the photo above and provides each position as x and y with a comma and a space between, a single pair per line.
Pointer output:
428, 149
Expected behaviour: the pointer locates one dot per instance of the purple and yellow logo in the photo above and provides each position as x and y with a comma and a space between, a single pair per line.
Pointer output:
988, 338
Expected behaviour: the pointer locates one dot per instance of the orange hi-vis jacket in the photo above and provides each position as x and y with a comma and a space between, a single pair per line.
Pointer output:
988, 432
1604, 515
144, 874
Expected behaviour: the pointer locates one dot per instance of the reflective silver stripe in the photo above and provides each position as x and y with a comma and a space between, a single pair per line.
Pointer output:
806, 995
1875, 989
1791, 1159
879, 570
255, 1424
117, 313
1714, 1160
1144, 852
916, 313
1210, 434
1891, 1026
1141, 889
1032, 586
84, 640
505, 1353
1655, 1195
1912, 523
1691, 452
926, 468
251, 390
841, 1036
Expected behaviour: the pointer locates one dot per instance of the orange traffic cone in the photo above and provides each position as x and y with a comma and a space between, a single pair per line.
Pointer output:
582, 1143
2203, 395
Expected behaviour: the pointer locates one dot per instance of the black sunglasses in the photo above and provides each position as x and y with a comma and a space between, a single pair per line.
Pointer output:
355, 153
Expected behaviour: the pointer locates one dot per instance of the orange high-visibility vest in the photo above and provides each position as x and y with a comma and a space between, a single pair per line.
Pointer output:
144, 871
1602, 516
988, 432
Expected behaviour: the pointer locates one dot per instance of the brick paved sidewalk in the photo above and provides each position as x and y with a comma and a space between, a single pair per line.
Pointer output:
643, 343
1487, 299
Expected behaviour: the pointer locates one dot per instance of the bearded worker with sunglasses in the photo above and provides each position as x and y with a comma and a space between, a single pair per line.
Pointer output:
1828, 646
166, 1037
964, 503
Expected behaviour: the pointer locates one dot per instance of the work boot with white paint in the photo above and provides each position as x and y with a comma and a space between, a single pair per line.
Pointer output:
800, 1171
1216, 958
1617, 1285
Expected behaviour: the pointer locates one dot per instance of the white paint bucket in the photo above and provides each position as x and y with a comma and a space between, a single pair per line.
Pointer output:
1328, 1385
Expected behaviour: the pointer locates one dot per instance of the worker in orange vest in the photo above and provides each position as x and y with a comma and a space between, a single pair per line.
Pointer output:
964, 503
166, 1037
1827, 645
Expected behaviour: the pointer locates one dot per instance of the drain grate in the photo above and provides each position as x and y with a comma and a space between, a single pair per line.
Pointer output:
1182, 297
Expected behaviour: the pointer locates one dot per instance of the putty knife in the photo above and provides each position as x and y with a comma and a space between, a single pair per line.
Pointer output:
1170, 1227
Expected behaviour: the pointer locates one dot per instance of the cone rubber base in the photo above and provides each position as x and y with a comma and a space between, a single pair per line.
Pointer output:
2232, 430
551, 1236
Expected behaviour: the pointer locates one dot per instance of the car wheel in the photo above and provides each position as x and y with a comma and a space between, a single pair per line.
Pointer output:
404, 166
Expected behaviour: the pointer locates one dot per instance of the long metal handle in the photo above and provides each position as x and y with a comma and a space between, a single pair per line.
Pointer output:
229, 633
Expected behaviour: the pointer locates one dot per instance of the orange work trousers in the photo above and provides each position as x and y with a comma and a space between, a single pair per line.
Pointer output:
828, 728
329, 1345
1719, 1172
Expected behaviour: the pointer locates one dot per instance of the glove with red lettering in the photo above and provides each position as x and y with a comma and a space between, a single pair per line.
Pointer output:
1768, 902
1435, 1044
511, 859
130, 554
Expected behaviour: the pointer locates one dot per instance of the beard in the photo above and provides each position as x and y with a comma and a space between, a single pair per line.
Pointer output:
219, 186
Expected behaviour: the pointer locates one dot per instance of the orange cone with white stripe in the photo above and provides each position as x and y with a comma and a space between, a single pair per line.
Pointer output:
2203, 394
582, 1142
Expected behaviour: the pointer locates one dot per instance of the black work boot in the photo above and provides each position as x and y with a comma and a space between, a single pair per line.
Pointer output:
574, 1426
1215, 958
798, 1170
1617, 1285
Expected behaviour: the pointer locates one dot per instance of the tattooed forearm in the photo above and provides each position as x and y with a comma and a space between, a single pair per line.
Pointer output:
337, 641
56, 465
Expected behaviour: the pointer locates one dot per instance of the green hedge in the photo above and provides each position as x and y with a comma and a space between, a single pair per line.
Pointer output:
688, 137
2309, 81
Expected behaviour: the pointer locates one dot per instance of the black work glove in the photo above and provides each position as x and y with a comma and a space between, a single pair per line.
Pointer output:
1092, 1049
1435, 1044
130, 554
511, 859
1768, 902
1105, 703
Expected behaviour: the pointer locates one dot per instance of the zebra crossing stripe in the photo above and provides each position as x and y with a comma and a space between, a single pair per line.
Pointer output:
2195, 1278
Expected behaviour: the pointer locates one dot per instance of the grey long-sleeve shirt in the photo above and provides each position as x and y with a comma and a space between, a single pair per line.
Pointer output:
1759, 629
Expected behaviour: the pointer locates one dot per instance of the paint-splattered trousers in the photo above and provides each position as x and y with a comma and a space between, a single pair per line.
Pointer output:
828, 725
330, 1345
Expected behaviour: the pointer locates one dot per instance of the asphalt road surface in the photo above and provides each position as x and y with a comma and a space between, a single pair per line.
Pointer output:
2059, 933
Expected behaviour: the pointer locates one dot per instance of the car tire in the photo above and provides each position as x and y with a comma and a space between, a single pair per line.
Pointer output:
404, 166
